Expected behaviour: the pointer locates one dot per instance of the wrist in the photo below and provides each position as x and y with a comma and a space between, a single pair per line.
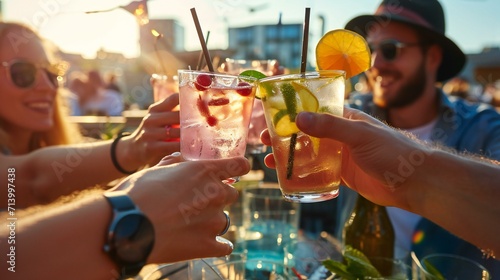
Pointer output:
414, 171
130, 237
122, 154
429, 182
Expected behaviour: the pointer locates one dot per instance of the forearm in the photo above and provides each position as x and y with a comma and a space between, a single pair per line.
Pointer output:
62, 242
461, 195
87, 164
48, 173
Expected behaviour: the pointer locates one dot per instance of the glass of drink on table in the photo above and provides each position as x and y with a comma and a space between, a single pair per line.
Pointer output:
308, 168
215, 114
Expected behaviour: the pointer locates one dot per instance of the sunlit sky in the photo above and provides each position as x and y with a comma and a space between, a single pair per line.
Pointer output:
472, 24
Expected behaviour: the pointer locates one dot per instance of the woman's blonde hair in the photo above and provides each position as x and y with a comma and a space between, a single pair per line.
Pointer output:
62, 132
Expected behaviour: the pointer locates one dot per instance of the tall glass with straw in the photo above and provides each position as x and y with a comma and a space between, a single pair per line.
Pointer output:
215, 110
308, 168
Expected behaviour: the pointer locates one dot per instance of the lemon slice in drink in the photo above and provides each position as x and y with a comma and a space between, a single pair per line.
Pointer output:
343, 50
310, 104
285, 127
309, 101
263, 91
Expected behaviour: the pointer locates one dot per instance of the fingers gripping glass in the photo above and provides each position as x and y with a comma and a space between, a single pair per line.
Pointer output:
23, 74
390, 49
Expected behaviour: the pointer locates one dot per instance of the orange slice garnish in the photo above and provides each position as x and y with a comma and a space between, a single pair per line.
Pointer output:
343, 50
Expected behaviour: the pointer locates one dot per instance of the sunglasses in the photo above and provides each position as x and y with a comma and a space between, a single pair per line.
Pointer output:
23, 74
390, 49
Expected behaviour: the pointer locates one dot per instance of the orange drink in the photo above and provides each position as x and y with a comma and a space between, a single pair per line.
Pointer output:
308, 168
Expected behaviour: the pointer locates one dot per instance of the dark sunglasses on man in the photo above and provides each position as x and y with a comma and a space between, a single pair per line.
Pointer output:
24, 74
390, 49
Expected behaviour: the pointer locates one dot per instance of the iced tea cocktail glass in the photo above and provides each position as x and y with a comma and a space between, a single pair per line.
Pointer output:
308, 168
215, 114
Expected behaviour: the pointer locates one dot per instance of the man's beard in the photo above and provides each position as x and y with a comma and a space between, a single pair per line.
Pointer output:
410, 91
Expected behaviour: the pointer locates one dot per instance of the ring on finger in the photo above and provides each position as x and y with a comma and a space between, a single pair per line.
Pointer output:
228, 223
167, 130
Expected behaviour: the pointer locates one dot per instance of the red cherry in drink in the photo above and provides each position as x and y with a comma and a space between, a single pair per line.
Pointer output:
244, 89
218, 102
212, 121
203, 81
202, 107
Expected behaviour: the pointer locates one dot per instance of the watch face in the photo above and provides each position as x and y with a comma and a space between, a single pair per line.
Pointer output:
133, 238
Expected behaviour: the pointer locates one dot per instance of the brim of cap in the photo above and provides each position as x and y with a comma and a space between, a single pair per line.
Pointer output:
453, 58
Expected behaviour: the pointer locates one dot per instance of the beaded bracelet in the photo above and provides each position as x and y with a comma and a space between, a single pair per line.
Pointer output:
113, 154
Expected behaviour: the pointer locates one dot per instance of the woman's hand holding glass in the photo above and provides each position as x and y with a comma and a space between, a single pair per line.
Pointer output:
149, 142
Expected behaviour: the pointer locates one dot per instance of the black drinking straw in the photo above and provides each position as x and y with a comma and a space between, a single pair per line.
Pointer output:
206, 54
305, 42
303, 64
200, 58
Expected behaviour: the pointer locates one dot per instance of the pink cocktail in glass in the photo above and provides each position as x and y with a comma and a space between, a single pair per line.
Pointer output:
215, 114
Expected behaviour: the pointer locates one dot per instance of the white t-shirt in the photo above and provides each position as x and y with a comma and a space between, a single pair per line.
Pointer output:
404, 222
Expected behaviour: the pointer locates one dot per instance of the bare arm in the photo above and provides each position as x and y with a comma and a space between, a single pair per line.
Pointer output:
67, 240
387, 167
61, 239
460, 194
48, 173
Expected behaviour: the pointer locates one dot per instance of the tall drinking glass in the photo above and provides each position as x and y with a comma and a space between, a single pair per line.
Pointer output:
308, 168
215, 114
257, 120
269, 223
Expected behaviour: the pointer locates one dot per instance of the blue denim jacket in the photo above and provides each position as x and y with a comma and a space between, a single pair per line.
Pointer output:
473, 128
465, 127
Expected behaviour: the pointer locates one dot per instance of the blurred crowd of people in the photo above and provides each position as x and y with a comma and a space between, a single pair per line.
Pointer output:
461, 87
91, 94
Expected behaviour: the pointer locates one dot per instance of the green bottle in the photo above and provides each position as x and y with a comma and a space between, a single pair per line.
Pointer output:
369, 229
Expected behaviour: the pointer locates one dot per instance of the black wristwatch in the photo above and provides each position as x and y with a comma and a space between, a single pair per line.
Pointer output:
130, 236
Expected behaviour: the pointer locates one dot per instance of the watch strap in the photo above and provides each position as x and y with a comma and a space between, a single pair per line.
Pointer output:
122, 204
120, 201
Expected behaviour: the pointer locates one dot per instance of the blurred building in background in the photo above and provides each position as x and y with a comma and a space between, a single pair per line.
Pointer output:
276, 41
172, 36
483, 67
